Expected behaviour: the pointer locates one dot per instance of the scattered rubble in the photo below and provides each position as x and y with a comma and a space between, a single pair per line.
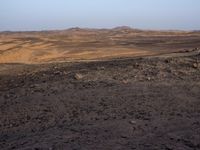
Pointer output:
141, 103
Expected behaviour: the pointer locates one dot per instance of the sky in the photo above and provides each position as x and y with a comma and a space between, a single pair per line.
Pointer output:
26, 15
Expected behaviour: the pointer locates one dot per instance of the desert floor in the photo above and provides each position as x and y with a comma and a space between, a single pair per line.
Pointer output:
144, 96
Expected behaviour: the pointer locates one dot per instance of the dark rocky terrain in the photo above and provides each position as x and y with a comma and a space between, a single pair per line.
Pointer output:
148, 103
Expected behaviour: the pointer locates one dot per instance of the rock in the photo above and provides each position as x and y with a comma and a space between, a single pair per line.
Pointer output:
124, 136
195, 65
65, 73
132, 122
148, 78
187, 50
57, 73
78, 76
34, 86
55, 67
101, 68
167, 61
125, 81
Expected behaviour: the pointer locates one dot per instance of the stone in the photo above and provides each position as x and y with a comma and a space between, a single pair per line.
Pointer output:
57, 73
132, 122
78, 76
195, 65
125, 81
148, 78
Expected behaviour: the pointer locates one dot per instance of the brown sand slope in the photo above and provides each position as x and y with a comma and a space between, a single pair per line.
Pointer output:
90, 44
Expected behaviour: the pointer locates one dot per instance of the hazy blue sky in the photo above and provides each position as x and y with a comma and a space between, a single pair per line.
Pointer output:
61, 14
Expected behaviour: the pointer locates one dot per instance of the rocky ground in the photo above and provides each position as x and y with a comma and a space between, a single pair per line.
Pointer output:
149, 103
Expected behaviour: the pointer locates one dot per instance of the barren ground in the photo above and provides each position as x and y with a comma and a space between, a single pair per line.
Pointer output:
90, 44
144, 102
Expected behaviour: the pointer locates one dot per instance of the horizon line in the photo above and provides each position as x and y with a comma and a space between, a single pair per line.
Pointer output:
102, 28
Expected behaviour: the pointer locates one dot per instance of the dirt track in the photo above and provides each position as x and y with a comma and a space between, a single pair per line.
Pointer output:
142, 103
